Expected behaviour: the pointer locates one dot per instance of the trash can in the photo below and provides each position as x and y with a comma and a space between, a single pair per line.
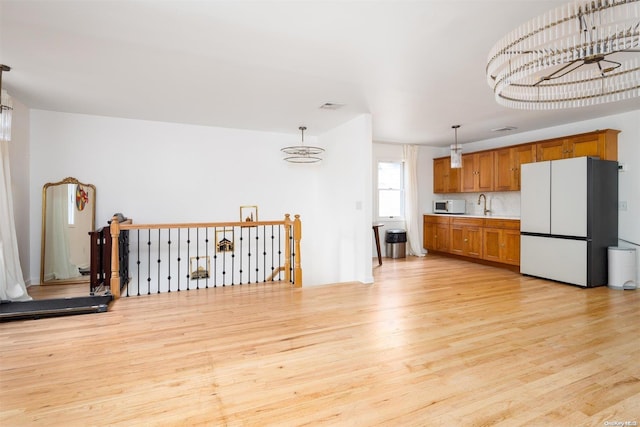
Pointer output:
622, 268
396, 243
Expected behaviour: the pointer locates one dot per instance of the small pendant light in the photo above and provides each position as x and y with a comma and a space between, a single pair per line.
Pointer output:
456, 151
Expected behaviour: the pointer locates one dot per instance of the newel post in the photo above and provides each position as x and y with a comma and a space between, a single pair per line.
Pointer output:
297, 235
115, 257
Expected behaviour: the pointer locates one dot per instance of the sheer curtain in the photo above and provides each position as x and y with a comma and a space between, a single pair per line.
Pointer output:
12, 285
411, 208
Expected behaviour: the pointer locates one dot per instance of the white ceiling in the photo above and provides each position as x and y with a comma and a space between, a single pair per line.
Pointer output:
416, 66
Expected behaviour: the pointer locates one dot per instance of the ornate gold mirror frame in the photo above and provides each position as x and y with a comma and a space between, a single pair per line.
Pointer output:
68, 215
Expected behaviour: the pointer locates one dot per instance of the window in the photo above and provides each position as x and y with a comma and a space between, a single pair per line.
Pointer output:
390, 189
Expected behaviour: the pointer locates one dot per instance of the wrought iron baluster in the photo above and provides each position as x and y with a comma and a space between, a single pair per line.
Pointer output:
215, 259
248, 254
149, 263
293, 255
197, 258
206, 253
159, 259
272, 254
138, 262
241, 258
280, 248
179, 246
257, 254
188, 259
264, 253
169, 260
224, 266
233, 264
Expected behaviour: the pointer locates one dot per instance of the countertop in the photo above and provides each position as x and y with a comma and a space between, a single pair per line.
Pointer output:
476, 216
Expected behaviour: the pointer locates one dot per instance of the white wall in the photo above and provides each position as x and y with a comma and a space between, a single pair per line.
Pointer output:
163, 172
345, 204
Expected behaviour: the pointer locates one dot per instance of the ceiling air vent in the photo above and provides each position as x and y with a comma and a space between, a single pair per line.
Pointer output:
504, 129
331, 106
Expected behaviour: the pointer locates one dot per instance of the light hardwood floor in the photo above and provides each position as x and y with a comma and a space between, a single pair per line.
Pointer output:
432, 342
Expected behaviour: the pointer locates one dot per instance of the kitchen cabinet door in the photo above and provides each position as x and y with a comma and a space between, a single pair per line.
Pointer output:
442, 237
492, 240
436, 233
485, 171
445, 179
507, 163
601, 144
501, 241
522, 155
503, 170
440, 171
511, 248
554, 149
477, 171
466, 237
473, 242
456, 240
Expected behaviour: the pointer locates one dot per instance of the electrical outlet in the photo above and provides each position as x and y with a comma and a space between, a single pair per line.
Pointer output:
622, 206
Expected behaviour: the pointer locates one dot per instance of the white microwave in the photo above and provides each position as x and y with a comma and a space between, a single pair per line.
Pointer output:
449, 206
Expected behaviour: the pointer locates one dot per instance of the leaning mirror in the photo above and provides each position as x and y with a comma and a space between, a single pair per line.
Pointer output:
68, 214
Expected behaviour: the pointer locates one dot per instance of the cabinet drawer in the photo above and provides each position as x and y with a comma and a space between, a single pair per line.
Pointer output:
437, 219
509, 224
471, 222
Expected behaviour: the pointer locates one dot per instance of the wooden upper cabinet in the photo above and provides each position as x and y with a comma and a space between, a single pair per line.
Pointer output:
499, 169
477, 171
602, 144
553, 149
506, 169
445, 179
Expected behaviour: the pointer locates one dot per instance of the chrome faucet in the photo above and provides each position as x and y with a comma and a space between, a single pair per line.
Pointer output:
485, 210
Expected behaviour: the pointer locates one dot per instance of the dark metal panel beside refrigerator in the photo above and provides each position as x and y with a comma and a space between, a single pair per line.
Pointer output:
569, 217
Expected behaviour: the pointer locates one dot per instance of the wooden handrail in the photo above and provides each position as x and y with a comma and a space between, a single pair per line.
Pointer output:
131, 226
293, 229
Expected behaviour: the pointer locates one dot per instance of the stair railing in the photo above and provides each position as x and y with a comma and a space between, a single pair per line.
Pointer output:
236, 256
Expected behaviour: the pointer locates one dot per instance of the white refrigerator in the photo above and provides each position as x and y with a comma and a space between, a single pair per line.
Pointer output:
568, 219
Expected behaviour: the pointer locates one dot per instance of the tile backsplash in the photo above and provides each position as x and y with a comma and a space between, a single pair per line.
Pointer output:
505, 203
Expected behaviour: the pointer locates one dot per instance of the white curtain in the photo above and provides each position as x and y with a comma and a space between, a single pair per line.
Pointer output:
411, 208
12, 285
58, 263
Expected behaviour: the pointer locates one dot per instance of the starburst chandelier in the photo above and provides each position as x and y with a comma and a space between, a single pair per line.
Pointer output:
581, 54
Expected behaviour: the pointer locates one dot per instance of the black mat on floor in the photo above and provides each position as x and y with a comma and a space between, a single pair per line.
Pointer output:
35, 309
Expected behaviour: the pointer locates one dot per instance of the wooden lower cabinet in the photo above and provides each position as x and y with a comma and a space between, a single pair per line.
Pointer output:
495, 240
436, 233
466, 237
501, 245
